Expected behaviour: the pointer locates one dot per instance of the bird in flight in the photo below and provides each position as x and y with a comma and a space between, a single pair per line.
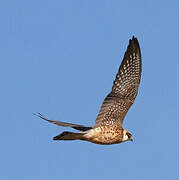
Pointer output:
108, 128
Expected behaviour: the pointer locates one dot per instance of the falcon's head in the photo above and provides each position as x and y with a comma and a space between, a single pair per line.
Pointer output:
127, 136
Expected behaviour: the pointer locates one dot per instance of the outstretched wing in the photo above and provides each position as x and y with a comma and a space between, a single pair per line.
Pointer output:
64, 124
125, 87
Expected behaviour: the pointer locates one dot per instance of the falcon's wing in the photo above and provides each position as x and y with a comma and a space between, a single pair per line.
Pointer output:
64, 124
125, 87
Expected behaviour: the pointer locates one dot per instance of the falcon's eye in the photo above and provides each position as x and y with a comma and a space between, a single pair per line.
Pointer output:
128, 134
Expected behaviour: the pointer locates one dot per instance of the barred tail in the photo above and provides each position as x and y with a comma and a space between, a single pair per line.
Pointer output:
66, 135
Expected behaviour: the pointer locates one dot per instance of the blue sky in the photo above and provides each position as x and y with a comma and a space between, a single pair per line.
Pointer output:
60, 58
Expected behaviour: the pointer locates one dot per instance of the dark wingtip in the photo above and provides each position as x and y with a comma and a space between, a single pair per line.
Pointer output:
61, 136
38, 114
134, 38
42, 117
56, 138
134, 42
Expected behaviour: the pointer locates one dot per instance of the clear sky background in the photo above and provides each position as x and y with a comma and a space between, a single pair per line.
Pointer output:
60, 58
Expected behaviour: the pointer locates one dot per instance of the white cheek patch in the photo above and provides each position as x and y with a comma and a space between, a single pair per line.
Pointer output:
125, 138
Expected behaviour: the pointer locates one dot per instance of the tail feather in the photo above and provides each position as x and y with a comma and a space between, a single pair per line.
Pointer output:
66, 135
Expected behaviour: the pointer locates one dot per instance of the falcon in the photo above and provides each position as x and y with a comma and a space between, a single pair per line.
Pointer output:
108, 128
